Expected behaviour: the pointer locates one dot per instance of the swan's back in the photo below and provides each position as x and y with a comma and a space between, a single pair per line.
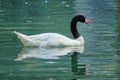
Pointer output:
48, 36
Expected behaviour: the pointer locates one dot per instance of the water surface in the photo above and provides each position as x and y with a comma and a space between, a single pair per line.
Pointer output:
97, 60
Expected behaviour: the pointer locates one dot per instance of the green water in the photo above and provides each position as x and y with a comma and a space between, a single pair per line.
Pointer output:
99, 59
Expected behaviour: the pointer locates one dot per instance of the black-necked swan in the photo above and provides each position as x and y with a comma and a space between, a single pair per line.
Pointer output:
55, 39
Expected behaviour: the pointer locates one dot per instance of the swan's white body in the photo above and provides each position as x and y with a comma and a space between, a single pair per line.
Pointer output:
49, 40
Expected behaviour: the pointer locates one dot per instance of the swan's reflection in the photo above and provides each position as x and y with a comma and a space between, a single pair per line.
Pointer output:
55, 53
47, 53
77, 68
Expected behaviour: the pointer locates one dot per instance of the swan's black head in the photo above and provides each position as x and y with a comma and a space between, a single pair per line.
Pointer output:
82, 19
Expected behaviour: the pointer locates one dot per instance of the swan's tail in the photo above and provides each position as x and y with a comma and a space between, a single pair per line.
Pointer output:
26, 41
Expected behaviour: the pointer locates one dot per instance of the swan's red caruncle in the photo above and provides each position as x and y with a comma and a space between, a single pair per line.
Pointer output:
87, 21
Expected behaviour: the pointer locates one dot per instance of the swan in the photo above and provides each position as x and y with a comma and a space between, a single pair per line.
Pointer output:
55, 39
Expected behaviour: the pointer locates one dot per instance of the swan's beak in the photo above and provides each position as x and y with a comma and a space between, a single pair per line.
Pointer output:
87, 21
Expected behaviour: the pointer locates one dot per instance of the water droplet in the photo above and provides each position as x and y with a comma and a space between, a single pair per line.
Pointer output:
26, 2
46, 1
29, 21
63, 2
67, 5
10, 74
50, 62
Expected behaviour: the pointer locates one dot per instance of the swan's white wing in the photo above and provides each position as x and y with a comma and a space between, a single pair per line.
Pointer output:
48, 36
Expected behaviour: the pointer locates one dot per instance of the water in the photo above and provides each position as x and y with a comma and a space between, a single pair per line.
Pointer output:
98, 60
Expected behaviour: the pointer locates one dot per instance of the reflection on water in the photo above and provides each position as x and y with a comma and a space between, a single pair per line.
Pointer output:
47, 53
55, 54
78, 69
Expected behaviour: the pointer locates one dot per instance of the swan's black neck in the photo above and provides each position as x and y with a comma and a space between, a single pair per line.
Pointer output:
74, 27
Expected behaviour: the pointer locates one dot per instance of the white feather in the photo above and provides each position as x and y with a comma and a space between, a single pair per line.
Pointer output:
49, 40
